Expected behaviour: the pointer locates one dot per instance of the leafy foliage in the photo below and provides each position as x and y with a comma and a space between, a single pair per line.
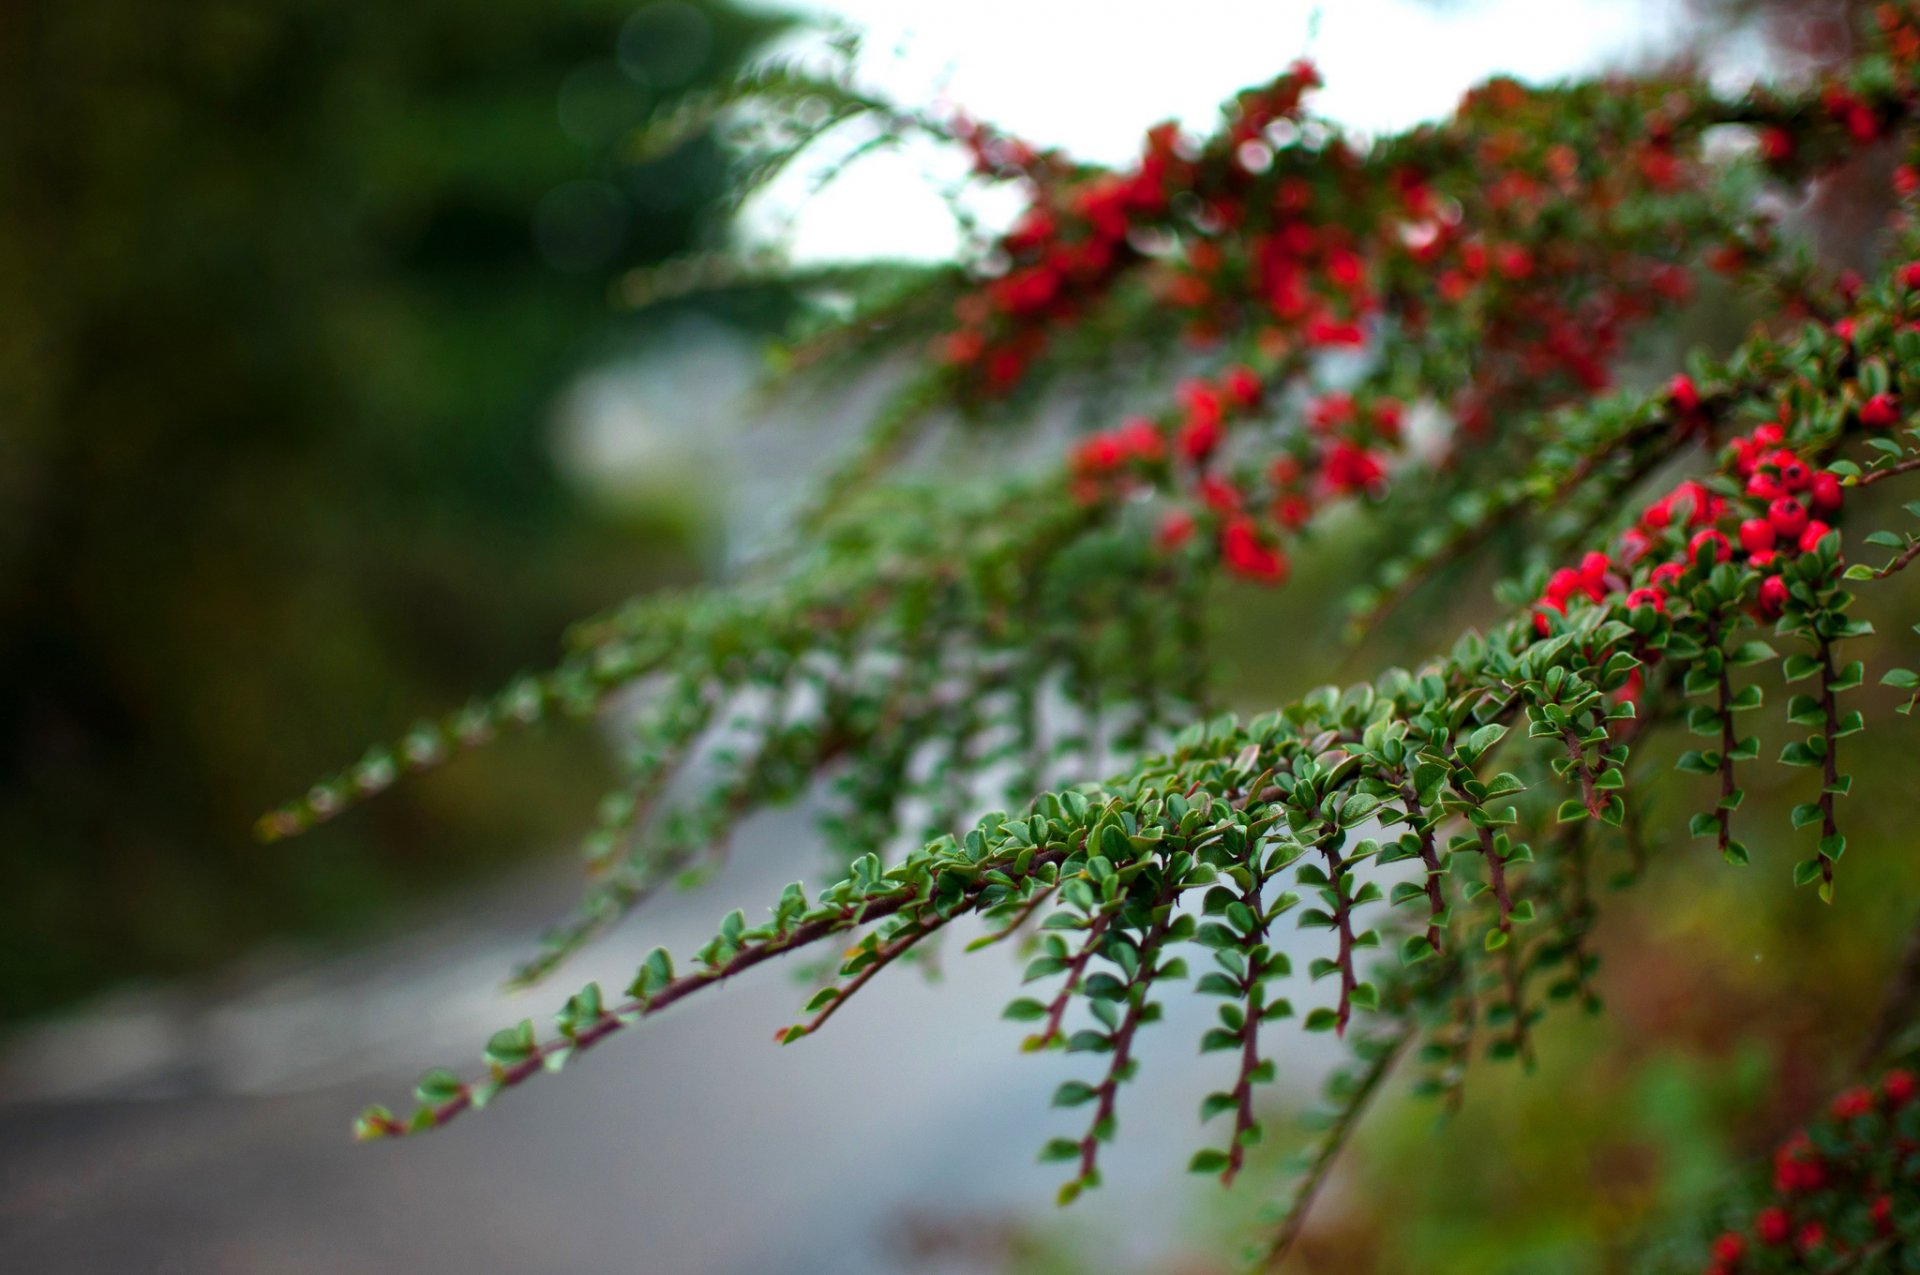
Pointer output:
928, 643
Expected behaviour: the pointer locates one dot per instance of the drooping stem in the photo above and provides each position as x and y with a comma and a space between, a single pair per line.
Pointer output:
1334, 1140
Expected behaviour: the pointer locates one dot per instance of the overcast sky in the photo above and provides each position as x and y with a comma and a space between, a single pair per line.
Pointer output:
1092, 75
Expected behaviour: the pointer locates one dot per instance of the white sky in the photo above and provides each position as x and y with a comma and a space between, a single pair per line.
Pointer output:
1093, 76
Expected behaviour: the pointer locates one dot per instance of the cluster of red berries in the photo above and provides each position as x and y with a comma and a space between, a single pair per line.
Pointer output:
1304, 248
1342, 453
1811, 1186
1078, 234
1785, 503
1307, 259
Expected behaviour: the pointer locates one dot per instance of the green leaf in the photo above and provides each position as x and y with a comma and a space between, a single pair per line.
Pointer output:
1208, 1161
438, 1086
511, 1046
1074, 1093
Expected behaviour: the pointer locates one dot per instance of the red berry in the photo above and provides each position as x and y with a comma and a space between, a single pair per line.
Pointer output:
1882, 411
1773, 1226
1815, 532
1910, 275
1141, 438
1245, 554
1387, 415
1788, 516
1199, 438
1898, 1086
1242, 386
1218, 494
1852, 1103
1703, 506
1826, 493
1773, 598
1756, 535
1683, 392
1729, 1248
1292, 512
1668, 573
1658, 515
1098, 454
1647, 598
1708, 536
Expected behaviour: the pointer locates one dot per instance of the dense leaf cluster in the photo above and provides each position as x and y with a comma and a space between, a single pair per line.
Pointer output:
930, 646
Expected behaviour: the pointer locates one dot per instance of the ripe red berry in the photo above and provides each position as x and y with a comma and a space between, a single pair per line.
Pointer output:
1703, 507
1756, 535
1773, 1226
1789, 469
1826, 493
1812, 535
1710, 537
1645, 597
1242, 386
1667, 573
1882, 411
1729, 1248
1199, 438
1898, 1086
1141, 439
1910, 275
1245, 554
1292, 511
1773, 598
1685, 395
1219, 495
1788, 516
1853, 1103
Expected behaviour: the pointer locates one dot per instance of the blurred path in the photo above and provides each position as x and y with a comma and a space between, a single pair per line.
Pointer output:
208, 1130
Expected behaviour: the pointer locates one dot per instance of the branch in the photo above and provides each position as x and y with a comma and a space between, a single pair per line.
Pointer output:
1331, 1144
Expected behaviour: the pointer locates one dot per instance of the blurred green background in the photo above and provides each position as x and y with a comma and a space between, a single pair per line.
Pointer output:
289, 288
